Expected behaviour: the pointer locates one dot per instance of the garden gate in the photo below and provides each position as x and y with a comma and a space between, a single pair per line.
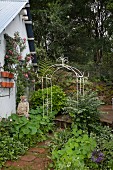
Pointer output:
47, 82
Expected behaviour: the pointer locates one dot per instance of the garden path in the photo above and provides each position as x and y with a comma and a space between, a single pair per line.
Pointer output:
36, 158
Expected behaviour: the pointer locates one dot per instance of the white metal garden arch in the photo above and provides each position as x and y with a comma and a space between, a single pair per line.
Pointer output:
79, 82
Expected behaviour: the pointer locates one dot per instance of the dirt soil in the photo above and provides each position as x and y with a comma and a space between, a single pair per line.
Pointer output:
36, 158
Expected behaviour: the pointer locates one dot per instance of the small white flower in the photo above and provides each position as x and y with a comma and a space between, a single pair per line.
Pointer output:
68, 16
69, 164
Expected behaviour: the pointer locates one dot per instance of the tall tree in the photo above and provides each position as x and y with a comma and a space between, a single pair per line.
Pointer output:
79, 29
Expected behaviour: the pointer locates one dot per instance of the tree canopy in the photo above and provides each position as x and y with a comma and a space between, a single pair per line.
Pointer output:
78, 29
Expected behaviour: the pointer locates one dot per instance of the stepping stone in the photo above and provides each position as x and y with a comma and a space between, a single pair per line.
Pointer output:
41, 160
21, 163
38, 166
38, 150
28, 158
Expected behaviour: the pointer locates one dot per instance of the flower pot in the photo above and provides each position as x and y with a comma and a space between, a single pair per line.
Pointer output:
5, 74
11, 75
11, 84
3, 84
7, 84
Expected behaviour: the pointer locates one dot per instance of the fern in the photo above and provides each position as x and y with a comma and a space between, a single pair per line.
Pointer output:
45, 67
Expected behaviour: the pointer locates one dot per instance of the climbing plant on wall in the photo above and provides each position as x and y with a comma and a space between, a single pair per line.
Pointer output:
14, 49
16, 63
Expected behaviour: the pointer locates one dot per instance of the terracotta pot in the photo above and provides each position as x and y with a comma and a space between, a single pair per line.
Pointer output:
3, 84
5, 74
11, 84
7, 84
11, 75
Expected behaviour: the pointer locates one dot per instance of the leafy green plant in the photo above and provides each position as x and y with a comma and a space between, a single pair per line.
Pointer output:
74, 152
5, 127
17, 133
105, 144
58, 98
44, 66
30, 131
10, 148
85, 111
102, 155
60, 138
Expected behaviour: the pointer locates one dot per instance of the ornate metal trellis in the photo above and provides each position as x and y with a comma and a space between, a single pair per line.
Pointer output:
47, 80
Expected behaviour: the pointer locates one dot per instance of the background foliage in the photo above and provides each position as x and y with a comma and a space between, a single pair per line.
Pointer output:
80, 30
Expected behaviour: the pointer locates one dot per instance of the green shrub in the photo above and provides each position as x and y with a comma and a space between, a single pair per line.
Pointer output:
85, 111
58, 98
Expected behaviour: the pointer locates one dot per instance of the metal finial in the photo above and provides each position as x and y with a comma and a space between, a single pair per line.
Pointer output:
63, 60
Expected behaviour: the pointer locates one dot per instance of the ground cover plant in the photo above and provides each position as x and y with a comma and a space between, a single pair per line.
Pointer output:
17, 134
74, 152
83, 152
86, 145
104, 138
10, 149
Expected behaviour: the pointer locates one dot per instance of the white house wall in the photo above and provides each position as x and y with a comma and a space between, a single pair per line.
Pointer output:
7, 102
8, 98
18, 25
